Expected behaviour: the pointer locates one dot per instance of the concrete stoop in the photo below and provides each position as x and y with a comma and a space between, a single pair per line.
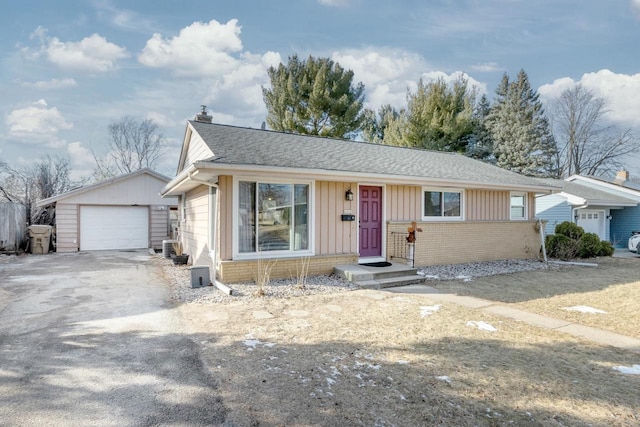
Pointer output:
378, 277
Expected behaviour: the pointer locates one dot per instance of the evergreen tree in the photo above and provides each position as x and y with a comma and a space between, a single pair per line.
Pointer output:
315, 97
440, 116
480, 144
375, 125
522, 139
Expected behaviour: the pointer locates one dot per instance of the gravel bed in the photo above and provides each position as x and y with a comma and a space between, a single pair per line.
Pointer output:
281, 288
181, 290
480, 269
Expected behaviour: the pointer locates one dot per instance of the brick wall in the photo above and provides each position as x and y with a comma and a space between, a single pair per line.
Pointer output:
242, 271
462, 242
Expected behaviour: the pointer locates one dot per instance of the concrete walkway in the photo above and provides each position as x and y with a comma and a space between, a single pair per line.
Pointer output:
592, 334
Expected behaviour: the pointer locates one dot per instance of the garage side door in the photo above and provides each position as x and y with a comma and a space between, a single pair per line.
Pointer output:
113, 227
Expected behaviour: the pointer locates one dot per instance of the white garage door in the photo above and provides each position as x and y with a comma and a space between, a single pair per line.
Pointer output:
592, 221
113, 227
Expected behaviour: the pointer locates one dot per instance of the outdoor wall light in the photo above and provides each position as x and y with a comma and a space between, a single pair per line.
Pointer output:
609, 217
348, 196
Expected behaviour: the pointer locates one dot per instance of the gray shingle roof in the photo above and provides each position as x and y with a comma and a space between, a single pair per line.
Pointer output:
588, 193
244, 146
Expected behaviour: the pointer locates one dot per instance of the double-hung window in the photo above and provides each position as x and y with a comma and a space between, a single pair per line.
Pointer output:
518, 206
273, 217
442, 204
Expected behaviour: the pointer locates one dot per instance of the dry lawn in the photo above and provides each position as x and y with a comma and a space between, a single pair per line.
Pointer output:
371, 358
613, 287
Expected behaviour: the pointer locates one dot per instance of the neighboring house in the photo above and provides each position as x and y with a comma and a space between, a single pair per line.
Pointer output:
248, 195
608, 208
125, 212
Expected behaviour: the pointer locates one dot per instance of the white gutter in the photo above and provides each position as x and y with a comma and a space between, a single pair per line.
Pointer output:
387, 178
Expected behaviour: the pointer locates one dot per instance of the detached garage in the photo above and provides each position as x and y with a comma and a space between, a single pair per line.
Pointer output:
125, 212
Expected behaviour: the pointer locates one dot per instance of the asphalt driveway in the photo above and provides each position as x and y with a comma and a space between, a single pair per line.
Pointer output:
88, 339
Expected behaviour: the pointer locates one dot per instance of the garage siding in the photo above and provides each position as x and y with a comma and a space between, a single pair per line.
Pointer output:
67, 227
159, 225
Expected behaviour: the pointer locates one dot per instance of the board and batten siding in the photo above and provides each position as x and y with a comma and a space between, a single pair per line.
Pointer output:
404, 203
332, 235
195, 228
553, 208
225, 183
197, 150
67, 235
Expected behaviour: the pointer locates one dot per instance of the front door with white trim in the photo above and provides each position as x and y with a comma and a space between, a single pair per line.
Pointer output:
592, 221
370, 202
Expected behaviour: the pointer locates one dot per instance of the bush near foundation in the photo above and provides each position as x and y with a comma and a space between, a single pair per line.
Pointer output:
570, 241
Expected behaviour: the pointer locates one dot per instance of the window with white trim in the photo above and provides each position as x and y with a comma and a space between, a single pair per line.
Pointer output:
518, 206
273, 217
183, 208
441, 204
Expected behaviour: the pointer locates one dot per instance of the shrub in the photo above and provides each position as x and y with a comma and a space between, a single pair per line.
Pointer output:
606, 248
569, 229
560, 246
589, 245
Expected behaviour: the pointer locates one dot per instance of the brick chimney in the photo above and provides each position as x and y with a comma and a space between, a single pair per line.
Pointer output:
622, 176
202, 116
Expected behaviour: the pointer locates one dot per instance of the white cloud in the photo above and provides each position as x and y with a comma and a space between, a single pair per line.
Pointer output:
334, 3
82, 161
622, 91
52, 84
635, 7
37, 124
486, 67
93, 54
200, 49
388, 73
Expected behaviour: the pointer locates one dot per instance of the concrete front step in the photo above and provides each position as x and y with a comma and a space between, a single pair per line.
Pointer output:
378, 277
390, 282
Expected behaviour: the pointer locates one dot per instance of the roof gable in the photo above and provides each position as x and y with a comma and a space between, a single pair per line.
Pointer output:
607, 186
150, 181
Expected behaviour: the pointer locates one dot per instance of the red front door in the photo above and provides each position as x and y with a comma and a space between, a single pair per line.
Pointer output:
370, 221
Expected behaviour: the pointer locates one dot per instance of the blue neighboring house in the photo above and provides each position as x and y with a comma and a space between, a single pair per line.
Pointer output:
608, 207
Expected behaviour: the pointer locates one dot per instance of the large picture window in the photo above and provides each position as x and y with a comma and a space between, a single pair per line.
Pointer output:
273, 217
442, 204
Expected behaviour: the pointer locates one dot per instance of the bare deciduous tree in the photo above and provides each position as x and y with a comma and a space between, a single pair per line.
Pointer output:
49, 177
132, 145
586, 144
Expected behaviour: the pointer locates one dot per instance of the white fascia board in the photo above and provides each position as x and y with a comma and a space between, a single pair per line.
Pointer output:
604, 184
331, 175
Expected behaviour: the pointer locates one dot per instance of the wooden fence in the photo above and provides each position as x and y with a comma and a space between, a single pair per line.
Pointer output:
13, 226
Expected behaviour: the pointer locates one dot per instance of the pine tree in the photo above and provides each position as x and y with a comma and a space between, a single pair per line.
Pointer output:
522, 139
440, 116
480, 144
314, 97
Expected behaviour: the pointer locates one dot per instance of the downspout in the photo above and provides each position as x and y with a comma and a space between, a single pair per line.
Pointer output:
541, 227
573, 212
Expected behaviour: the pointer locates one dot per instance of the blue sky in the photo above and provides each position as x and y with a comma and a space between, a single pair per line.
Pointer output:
69, 68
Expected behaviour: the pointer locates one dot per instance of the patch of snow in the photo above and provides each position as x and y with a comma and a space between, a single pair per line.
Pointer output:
429, 276
464, 278
584, 309
483, 326
631, 370
444, 378
402, 362
428, 310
